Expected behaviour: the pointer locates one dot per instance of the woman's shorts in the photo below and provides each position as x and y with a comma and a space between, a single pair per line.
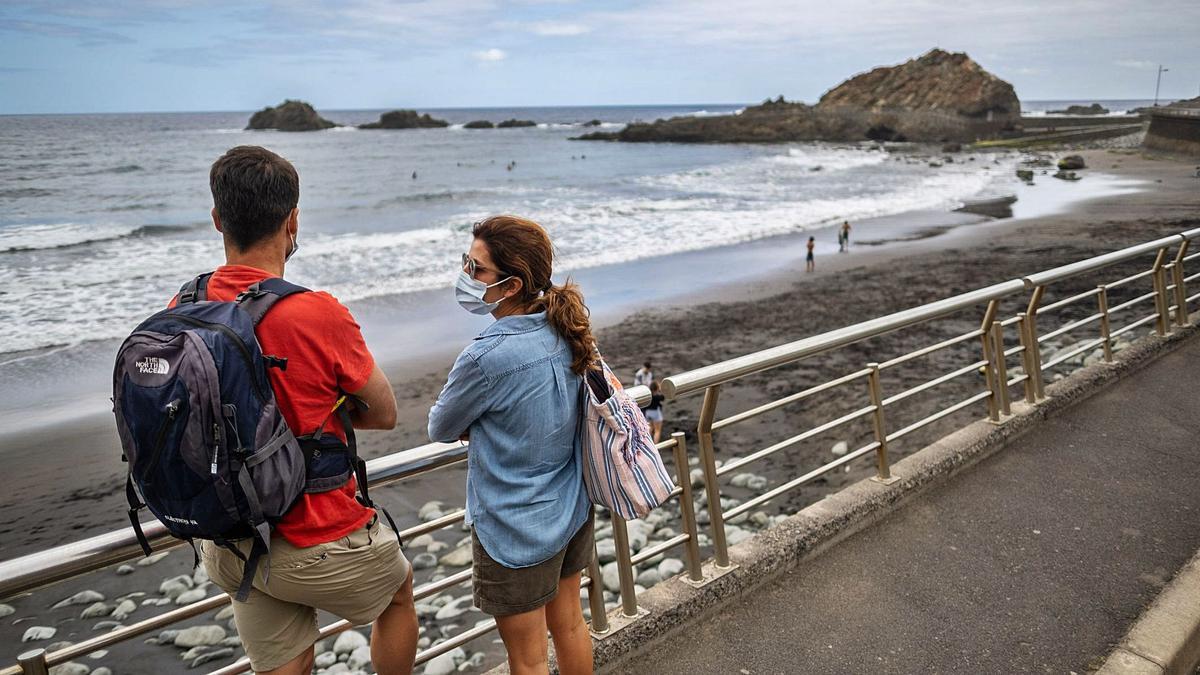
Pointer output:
654, 415
502, 591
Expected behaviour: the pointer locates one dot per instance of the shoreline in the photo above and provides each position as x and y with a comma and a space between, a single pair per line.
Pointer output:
679, 331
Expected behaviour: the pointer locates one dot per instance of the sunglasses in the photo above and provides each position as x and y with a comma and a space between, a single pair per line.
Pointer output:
471, 267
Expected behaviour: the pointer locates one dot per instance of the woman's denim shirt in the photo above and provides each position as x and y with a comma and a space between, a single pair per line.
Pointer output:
514, 391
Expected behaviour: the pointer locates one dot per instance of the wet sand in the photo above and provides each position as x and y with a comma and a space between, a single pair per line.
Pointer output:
69, 483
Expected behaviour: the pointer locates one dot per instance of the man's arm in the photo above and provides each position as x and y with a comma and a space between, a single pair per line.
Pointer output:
381, 401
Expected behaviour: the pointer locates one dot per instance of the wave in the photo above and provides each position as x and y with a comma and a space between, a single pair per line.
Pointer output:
124, 168
18, 193
42, 237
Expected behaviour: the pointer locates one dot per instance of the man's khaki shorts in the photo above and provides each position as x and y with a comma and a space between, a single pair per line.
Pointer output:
353, 577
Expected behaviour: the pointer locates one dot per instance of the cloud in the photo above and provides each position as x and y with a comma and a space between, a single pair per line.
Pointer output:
1131, 63
491, 55
90, 37
558, 28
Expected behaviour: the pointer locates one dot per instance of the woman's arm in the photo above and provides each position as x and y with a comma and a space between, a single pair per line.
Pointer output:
462, 401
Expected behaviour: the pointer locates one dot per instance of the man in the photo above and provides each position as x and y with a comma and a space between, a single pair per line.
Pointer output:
329, 551
846, 235
644, 375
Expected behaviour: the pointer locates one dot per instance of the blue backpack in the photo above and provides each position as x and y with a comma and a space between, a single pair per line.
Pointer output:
207, 448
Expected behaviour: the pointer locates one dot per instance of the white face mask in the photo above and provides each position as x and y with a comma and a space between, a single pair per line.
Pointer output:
470, 292
292, 252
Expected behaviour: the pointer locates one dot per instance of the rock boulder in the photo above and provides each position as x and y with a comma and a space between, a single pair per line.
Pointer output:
1093, 109
510, 124
479, 124
405, 119
289, 116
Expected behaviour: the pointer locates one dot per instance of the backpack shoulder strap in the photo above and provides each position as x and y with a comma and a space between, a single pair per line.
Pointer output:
195, 290
259, 298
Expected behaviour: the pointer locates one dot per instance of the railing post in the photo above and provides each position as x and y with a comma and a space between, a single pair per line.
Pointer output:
624, 566
989, 362
1160, 292
708, 460
596, 594
1026, 360
33, 662
884, 470
1181, 313
1001, 367
687, 508
1033, 351
1105, 326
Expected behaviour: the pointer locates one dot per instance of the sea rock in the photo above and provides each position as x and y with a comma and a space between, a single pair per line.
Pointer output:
430, 511
151, 559
125, 569
6, 610
124, 609
80, 598
289, 116
459, 557
592, 123
1066, 175
952, 147
360, 658
325, 660
1072, 163
446, 663
348, 641
1025, 175
199, 635
1093, 109
510, 124
96, 610
424, 561
479, 124
188, 597
405, 119
454, 608
38, 633
70, 668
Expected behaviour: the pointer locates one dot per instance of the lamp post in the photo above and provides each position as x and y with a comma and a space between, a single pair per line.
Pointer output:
1161, 70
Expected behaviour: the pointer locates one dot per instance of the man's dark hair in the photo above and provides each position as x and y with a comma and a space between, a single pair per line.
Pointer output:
253, 190
647, 364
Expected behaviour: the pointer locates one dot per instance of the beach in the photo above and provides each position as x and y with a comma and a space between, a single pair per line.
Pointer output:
682, 311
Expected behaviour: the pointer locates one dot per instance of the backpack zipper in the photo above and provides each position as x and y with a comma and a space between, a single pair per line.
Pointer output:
171, 409
237, 341
216, 445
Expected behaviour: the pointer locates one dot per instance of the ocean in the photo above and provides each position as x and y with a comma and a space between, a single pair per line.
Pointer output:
102, 216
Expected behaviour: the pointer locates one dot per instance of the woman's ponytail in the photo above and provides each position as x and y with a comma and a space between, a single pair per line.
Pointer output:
521, 248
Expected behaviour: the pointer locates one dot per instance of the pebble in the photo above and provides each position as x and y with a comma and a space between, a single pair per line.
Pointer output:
424, 561
6, 610
475, 661
337, 668
669, 568
459, 557
156, 602
325, 660
176, 586
426, 610
423, 643
757, 483
348, 641
735, 535
437, 547
108, 625
38, 633
61, 644
420, 541
840, 448
697, 477
102, 670
740, 480
359, 658
222, 653
639, 534
321, 646
80, 598
145, 562
760, 518
430, 511
98, 654
448, 630
188, 597
96, 610
606, 551
225, 614
648, 577
611, 577
200, 635
200, 576
455, 608
124, 609
446, 663
70, 668
125, 569
232, 641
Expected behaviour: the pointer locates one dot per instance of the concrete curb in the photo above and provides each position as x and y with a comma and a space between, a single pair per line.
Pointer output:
672, 604
1166, 638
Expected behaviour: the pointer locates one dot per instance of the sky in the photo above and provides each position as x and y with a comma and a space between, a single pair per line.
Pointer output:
68, 56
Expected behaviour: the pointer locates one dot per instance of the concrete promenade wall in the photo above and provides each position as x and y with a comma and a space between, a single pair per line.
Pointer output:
1174, 132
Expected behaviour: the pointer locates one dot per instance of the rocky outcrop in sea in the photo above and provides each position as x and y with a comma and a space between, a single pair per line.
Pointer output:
289, 116
938, 97
1093, 109
405, 119
510, 124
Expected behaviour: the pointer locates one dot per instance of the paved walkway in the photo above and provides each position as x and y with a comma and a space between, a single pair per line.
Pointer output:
1036, 560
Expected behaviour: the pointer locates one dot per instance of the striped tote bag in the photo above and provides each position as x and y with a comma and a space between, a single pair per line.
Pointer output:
621, 466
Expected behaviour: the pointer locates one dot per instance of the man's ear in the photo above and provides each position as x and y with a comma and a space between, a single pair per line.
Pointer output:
217, 220
293, 222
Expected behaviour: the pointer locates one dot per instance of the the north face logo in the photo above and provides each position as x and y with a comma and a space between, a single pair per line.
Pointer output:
153, 365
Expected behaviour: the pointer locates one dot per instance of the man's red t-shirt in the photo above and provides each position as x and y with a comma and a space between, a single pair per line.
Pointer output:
326, 355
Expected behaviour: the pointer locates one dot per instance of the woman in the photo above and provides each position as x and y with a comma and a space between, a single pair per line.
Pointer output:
515, 392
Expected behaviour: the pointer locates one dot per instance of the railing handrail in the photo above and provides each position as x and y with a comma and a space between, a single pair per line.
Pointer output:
1098, 262
718, 373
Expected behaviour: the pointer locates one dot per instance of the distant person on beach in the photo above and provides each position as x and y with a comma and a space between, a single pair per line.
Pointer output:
841, 242
644, 375
846, 235
653, 411
514, 393
329, 552
809, 265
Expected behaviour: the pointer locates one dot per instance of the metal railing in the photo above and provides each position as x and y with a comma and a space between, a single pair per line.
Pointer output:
1168, 280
